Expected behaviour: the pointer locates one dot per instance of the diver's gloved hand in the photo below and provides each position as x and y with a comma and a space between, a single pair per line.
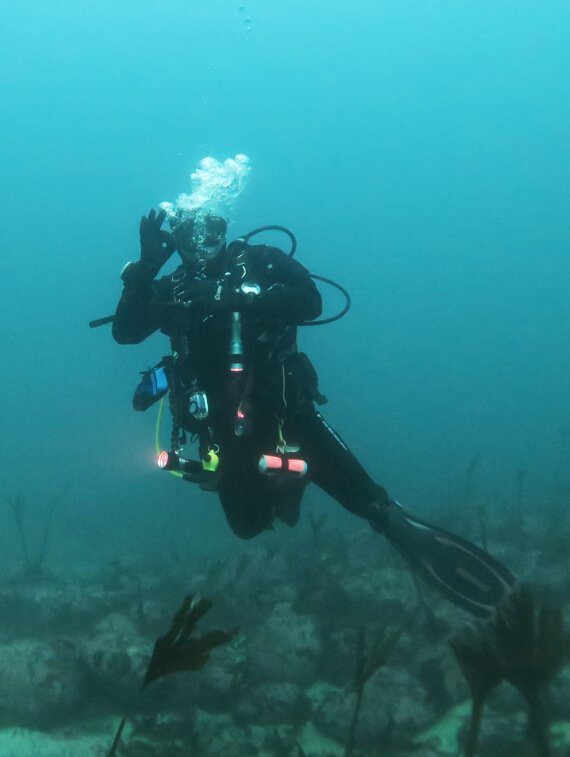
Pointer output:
157, 244
204, 297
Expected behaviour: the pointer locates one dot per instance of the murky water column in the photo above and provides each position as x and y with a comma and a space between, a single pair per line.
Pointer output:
246, 17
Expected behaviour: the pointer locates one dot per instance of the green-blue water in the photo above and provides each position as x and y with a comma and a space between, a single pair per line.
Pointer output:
418, 149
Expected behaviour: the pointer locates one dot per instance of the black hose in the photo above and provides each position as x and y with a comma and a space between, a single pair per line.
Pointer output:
284, 229
291, 253
332, 318
101, 321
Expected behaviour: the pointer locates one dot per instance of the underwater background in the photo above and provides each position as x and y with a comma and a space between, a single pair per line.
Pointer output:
419, 150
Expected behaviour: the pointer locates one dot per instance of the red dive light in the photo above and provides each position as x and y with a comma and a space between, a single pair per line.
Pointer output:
173, 462
167, 460
271, 464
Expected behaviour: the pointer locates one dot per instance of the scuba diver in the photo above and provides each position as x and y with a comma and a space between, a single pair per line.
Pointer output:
238, 387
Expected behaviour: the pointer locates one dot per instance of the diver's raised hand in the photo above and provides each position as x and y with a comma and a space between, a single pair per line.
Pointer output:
157, 244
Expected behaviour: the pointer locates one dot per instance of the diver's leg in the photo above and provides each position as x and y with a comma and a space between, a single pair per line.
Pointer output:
245, 505
250, 499
465, 574
242, 491
286, 496
334, 468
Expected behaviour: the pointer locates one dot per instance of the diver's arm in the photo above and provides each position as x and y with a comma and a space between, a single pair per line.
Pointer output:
135, 319
295, 302
292, 295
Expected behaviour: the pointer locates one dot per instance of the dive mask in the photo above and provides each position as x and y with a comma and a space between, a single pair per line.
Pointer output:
200, 238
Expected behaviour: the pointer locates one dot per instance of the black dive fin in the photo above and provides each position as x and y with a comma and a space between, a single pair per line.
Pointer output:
464, 573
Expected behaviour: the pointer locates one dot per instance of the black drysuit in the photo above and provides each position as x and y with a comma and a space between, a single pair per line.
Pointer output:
194, 308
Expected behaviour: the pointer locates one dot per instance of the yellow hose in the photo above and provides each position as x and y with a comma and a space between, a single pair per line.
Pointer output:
157, 446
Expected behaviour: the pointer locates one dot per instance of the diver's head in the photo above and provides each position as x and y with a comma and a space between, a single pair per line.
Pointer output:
197, 219
199, 236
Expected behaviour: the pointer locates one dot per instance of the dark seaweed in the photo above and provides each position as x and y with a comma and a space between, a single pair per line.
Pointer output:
177, 651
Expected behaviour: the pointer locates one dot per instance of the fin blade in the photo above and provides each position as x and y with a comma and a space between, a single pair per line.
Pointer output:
464, 573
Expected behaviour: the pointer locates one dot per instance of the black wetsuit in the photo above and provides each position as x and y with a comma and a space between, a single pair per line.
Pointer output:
193, 308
